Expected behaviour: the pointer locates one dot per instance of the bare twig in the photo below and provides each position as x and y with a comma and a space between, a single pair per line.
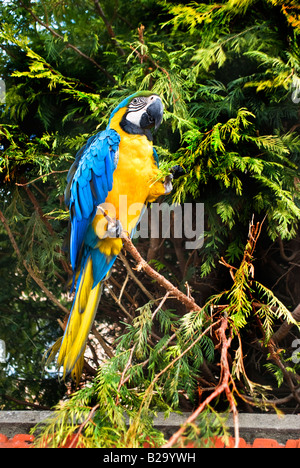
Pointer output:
81, 427
122, 379
283, 254
161, 304
284, 329
119, 303
102, 342
25, 403
41, 177
123, 287
134, 277
114, 282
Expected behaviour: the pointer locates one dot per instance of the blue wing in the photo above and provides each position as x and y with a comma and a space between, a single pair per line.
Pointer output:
89, 180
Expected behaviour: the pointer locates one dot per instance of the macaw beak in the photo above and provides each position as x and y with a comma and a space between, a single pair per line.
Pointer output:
153, 115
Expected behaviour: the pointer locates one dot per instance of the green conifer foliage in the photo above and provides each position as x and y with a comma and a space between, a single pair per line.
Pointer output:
229, 76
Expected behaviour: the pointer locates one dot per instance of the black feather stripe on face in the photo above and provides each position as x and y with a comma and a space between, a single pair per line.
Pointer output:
137, 104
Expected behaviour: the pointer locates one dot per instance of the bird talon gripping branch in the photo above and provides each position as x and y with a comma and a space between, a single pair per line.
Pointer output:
114, 228
168, 184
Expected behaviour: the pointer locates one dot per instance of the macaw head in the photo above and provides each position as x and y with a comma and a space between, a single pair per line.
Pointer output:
140, 112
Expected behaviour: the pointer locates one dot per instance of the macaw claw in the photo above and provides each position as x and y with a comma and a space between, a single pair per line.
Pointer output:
114, 228
168, 184
177, 171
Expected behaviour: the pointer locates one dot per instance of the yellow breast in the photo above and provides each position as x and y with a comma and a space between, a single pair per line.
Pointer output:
131, 185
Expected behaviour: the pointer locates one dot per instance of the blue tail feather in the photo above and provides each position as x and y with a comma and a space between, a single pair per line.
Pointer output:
101, 265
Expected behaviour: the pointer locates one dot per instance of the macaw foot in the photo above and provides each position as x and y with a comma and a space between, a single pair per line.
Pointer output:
177, 171
114, 228
105, 226
168, 184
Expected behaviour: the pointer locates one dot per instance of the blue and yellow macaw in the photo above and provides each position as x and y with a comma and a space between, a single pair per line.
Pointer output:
119, 161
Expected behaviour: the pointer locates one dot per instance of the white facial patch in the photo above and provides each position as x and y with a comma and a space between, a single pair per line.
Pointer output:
135, 116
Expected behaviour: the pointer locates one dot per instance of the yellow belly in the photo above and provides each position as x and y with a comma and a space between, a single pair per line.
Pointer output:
132, 183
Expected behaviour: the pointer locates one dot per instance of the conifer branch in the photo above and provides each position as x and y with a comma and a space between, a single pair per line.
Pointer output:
68, 44
109, 27
50, 229
222, 387
33, 275
148, 57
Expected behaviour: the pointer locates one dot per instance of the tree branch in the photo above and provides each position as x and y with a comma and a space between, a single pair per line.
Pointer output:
161, 280
102, 342
26, 403
109, 27
284, 329
143, 265
133, 276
